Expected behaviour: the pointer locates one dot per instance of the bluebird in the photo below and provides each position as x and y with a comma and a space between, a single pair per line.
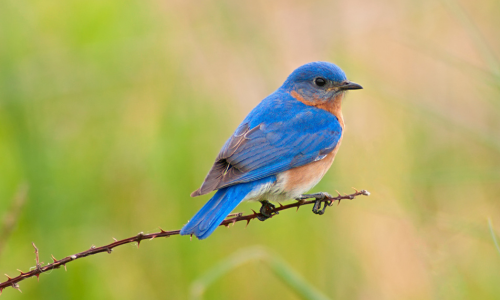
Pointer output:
281, 150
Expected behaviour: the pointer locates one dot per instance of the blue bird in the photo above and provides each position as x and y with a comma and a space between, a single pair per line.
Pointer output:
281, 150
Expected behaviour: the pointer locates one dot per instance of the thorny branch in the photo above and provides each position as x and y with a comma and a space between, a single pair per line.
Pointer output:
40, 268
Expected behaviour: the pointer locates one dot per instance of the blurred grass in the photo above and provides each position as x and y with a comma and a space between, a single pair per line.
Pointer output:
279, 268
112, 113
493, 236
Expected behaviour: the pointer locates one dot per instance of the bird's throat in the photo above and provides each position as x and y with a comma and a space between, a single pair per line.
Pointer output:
333, 106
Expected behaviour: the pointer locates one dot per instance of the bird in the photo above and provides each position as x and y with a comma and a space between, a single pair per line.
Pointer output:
281, 150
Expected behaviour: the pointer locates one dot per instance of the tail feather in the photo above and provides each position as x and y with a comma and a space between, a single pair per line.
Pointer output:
209, 217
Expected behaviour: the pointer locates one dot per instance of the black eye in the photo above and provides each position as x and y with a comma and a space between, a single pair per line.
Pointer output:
320, 81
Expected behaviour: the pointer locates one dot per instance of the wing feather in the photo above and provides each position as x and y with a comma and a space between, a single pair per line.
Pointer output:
270, 141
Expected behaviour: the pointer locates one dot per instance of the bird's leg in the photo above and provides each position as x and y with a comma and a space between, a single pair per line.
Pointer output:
266, 210
320, 197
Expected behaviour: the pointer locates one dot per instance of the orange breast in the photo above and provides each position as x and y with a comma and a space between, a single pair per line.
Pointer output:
301, 179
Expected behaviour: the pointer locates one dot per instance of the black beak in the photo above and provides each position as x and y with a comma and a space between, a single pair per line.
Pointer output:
348, 85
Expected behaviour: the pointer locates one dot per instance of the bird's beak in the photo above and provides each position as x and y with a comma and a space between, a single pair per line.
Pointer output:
349, 85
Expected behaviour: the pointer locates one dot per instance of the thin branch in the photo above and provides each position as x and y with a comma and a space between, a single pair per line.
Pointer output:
56, 264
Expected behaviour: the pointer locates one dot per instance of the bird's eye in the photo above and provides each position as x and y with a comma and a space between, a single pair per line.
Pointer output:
320, 81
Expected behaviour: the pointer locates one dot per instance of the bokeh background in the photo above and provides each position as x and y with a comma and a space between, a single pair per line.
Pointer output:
112, 112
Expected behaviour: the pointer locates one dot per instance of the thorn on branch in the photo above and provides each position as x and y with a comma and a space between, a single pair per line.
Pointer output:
15, 285
38, 266
139, 238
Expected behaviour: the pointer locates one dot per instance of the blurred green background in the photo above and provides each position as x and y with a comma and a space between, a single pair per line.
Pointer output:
112, 112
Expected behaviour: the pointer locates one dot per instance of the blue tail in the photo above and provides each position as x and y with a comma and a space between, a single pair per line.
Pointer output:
209, 217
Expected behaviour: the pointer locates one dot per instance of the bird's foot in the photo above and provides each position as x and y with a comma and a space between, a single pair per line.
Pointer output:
266, 210
320, 198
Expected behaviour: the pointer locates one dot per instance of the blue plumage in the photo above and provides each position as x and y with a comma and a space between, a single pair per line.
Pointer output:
209, 217
295, 126
310, 71
291, 134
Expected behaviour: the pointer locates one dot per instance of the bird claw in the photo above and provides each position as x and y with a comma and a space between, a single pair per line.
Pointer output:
317, 206
266, 210
320, 197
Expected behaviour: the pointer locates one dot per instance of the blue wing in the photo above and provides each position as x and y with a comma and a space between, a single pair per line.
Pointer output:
279, 134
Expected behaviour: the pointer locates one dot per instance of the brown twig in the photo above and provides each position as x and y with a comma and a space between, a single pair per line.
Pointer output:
40, 268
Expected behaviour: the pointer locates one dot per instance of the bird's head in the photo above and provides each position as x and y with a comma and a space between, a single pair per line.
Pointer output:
318, 82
